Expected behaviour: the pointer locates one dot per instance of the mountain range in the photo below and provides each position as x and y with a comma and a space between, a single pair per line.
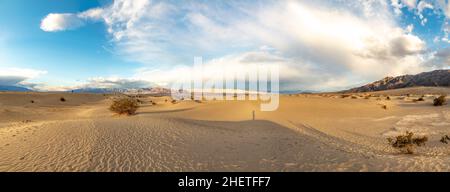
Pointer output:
13, 88
437, 78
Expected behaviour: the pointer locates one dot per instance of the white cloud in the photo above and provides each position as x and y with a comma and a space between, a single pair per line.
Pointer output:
319, 44
424, 5
59, 22
410, 3
115, 82
18, 76
397, 6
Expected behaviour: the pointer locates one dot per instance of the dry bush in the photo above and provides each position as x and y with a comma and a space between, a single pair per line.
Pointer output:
345, 96
62, 99
384, 107
419, 99
388, 98
440, 101
174, 101
445, 139
127, 106
32, 101
406, 143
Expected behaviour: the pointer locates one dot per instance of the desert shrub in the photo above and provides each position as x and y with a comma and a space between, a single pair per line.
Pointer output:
406, 143
62, 99
388, 98
384, 107
445, 139
440, 101
198, 101
126, 106
32, 101
419, 99
354, 97
345, 96
174, 101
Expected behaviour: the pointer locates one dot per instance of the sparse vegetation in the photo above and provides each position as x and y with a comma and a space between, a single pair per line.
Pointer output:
127, 106
62, 99
388, 98
419, 99
354, 97
345, 96
32, 101
174, 101
440, 101
384, 107
445, 139
406, 143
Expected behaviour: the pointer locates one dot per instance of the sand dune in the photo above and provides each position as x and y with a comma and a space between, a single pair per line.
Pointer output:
307, 133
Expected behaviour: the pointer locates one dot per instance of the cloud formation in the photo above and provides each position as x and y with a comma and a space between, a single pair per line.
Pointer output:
59, 22
18, 76
319, 45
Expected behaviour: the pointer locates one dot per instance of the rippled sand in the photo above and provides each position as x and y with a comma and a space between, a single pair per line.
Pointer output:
307, 133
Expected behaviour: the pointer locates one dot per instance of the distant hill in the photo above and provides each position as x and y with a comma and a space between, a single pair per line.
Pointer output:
297, 92
438, 78
99, 90
13, 88
147, 91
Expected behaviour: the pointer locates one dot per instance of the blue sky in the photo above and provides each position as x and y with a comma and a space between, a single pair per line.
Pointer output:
67, 57
320, 45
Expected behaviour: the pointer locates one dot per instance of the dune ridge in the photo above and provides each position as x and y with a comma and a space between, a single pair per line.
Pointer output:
309, 132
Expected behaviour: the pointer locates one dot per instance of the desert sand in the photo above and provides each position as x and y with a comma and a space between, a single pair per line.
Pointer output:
309, 132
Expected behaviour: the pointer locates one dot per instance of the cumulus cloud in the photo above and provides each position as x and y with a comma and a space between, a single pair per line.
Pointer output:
97, 83
18, 76
417, 6
410, 3
60, 22
318, 44
115, 82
